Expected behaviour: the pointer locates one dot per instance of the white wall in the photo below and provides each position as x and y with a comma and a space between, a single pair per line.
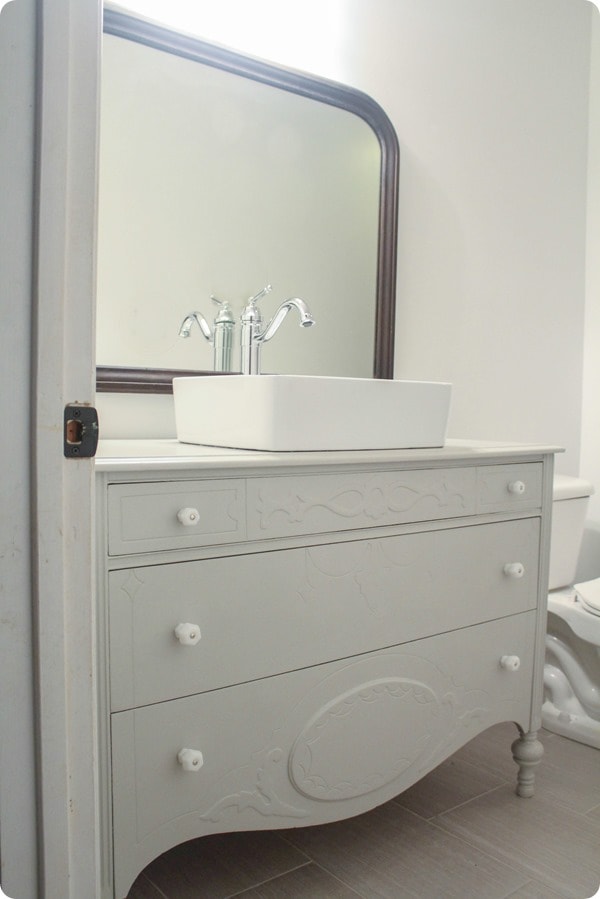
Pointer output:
590, 435
490, 102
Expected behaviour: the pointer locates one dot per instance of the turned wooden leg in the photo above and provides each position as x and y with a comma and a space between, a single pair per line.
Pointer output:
527, 752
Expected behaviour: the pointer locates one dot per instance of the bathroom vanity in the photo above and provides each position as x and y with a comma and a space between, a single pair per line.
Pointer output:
287, 639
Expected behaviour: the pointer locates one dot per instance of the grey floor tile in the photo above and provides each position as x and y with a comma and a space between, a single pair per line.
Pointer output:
552, 844
594, 814
308, 882
390, 852
452, 783
218, 866
569, 773
490, 751
535, 890
143, 889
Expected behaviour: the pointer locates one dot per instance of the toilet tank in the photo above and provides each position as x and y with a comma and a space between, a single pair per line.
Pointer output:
569, 507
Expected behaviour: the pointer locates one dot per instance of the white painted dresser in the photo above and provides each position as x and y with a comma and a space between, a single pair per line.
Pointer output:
289, 639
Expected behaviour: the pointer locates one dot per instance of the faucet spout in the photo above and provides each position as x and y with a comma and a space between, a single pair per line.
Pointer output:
186, 326
306, 319
220, 336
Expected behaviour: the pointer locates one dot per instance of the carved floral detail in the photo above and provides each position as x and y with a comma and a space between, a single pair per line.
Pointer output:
132, 583
376, 500
233, 506
343, 720
462, 707
366, 573
340, 753
400, 499
263, 799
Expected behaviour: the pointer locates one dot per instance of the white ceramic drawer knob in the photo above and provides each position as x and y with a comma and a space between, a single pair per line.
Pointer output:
190, 759
188, 517
516, 487
188, 634
514, 569
510, 663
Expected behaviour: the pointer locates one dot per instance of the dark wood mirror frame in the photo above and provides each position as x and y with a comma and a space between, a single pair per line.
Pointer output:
151, 380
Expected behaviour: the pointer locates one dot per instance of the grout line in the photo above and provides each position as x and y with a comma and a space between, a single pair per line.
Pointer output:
156, 887
467, 801
506, 857
462, 805
329, 872
398, 801
578, 813
344, 884
261, 883
530, 882
405, 808
511, 864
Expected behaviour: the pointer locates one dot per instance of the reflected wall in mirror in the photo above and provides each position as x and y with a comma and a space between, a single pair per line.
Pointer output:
219, 175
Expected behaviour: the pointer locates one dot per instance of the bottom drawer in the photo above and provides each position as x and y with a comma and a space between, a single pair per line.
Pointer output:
310, 746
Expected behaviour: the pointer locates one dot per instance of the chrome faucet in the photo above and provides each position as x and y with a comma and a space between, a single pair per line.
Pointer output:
220, 336
254, 335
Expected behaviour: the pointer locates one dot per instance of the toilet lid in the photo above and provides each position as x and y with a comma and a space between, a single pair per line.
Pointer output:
589, 594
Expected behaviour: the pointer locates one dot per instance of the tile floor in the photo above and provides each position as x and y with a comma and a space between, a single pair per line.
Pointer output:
460, 832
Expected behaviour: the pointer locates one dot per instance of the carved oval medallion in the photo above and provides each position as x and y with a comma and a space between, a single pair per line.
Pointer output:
365, 738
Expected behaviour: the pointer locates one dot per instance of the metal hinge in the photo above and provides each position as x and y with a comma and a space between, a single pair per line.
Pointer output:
80, 431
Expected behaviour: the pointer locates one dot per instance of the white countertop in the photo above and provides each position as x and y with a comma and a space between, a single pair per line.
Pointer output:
131, 455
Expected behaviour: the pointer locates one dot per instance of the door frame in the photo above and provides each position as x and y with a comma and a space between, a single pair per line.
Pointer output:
63, 372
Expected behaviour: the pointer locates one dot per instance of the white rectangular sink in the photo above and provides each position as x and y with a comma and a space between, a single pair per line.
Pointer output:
282, 413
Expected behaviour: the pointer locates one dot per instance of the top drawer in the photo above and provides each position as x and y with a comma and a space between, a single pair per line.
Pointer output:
149, 517
156, 516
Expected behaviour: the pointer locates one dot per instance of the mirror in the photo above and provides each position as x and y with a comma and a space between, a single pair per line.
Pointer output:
219, 174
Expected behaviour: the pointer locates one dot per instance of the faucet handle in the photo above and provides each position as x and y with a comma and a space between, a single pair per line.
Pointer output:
261, 293
251, 314
224, 315
223, 303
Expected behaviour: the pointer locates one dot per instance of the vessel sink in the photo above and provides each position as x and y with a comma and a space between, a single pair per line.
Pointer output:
282, 413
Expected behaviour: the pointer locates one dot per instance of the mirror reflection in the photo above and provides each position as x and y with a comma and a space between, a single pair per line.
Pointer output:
213, 186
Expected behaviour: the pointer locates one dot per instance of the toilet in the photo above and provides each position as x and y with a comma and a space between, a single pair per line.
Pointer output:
572, 668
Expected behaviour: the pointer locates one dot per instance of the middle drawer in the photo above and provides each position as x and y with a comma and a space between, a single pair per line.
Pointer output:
251, 616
